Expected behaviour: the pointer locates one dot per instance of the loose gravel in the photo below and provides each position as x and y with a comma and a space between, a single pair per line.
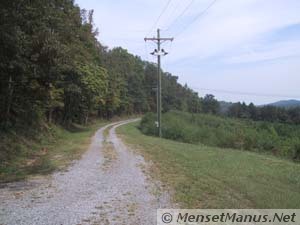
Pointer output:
91, 191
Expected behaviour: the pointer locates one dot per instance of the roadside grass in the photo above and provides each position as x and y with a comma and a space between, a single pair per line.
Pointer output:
53, 149
212, 177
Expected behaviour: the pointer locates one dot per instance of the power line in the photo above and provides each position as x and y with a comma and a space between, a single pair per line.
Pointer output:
172, 13
181, 14
160, 15
247, 93
197, 17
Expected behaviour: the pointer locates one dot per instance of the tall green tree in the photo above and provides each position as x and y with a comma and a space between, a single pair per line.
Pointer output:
210, 104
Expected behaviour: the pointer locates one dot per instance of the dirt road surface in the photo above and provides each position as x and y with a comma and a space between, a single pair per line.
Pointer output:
108, 185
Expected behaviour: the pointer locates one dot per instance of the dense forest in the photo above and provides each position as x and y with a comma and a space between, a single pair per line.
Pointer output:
264, 113
53, 69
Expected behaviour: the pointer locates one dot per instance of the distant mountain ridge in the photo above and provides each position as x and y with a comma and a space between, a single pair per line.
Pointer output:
292, 103
286, 103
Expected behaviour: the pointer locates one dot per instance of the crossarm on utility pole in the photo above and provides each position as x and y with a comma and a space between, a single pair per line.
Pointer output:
158, 41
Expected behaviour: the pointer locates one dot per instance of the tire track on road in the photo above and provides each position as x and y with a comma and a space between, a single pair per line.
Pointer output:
87, 193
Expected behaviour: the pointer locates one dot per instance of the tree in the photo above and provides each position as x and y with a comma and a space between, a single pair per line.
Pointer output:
210, 104
53, 69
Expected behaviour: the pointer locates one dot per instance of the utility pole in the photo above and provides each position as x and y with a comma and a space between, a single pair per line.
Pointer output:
158, 52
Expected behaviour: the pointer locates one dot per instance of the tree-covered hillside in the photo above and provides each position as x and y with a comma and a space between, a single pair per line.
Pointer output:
292, 103
53, 68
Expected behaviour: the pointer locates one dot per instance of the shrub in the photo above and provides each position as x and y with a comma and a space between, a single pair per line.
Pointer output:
278, 139
297, 152
148, 125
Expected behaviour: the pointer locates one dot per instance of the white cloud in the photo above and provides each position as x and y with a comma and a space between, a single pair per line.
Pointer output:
231, 32
234, 24
265, 52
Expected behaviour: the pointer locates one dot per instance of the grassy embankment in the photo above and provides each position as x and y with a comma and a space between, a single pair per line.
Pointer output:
43, 150
212, 177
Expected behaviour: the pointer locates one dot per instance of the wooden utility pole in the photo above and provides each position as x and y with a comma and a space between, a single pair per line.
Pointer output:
158, 52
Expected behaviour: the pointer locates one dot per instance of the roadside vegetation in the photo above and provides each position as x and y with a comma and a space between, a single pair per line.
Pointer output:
54, 69
43, 149
55, 73
279, 139
210, 177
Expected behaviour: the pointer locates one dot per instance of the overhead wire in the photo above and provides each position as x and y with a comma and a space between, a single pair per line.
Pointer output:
158, 18
154, 25
171, 13
180, 15
196, 18
199, 15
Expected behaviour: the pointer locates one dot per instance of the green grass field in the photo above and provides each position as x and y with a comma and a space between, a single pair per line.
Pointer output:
212, 177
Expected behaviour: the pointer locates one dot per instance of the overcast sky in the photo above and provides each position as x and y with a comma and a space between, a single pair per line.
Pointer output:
239, 50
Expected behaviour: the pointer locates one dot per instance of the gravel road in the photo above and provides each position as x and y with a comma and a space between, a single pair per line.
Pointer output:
108, 185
